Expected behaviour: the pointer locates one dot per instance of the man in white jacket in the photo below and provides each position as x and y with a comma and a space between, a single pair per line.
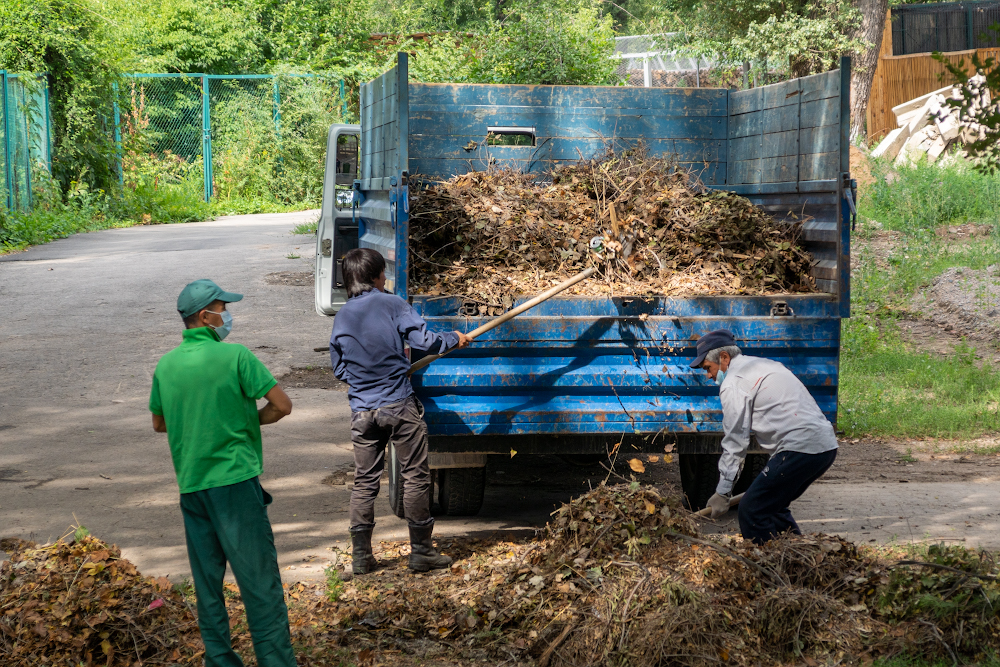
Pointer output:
763, 396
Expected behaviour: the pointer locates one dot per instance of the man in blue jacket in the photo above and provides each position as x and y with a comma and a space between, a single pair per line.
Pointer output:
366, 352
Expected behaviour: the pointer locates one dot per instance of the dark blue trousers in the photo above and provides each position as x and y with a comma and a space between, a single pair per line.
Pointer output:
764, 511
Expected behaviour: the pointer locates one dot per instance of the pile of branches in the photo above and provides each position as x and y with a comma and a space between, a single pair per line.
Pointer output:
645, 222
621, 575
78, 602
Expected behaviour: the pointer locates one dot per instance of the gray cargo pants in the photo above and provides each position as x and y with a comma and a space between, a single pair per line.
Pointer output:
403, 424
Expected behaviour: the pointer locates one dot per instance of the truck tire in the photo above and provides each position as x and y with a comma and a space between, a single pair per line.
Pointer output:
461, 490
395, 482
584, 460
700, 476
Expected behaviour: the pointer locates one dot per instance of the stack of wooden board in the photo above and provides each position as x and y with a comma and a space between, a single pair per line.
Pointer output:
929, 125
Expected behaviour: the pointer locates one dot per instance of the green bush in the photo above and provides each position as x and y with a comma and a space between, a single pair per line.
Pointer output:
67, 40
162, 188
917, 199
543, 43
251, 163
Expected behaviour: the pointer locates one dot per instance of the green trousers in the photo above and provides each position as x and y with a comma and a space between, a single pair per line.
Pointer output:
230, 524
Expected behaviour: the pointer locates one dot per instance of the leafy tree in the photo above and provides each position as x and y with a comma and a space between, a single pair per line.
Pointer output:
66, 40
798, 37
542, 43
191, 36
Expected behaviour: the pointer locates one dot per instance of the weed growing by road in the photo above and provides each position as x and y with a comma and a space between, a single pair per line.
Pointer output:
334, 584
306, 228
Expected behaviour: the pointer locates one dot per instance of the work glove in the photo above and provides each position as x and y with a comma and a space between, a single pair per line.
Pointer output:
719, 505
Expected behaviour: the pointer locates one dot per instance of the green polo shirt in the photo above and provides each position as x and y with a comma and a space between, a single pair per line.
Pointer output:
207, 392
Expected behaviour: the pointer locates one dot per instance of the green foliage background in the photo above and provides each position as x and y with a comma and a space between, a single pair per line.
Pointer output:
87, 47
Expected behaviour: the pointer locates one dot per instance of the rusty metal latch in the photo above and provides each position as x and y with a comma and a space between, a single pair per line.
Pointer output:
781, 309
326, 247
850, 188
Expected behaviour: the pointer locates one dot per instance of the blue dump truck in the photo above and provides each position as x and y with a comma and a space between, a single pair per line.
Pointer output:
580, 376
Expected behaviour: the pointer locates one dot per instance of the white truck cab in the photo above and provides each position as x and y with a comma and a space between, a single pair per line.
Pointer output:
337, 230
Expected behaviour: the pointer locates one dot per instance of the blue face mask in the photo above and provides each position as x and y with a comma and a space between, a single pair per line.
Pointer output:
227, 324
720, 376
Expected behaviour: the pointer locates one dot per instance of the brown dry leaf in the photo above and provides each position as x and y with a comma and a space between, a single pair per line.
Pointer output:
636, 465
650, 507
652, 458
669, 458
668, 448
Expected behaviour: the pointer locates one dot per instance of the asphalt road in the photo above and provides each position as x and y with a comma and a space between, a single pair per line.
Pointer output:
85, 320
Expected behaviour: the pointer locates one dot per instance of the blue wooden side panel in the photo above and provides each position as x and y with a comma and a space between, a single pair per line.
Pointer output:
612, 366
384, 212
787, 151
449, 124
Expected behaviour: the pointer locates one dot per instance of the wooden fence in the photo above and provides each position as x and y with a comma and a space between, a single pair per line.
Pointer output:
899, 79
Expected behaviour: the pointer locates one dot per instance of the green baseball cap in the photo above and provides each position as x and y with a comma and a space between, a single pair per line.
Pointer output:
200, 294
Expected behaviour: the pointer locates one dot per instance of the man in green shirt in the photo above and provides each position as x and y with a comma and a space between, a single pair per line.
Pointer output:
204, 398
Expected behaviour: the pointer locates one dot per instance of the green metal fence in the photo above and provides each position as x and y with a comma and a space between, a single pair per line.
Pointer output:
213, 121
25, 134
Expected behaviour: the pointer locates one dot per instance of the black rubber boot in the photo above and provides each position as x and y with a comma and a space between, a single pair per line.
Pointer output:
423, 555
362, 559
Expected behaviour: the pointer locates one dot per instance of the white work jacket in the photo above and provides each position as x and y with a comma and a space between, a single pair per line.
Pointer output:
763, 396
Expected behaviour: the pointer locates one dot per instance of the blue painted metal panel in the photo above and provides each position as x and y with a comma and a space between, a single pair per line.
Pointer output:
471, 147
617, 365
383, 209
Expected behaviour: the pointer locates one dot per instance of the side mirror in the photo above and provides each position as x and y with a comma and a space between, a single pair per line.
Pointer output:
347, 159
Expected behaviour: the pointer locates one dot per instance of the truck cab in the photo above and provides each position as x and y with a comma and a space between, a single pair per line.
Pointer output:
337, 229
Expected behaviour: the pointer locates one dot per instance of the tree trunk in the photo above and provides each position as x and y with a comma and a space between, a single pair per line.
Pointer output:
865, 62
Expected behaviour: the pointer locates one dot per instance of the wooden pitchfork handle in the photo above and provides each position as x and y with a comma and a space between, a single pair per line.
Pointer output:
733, 502
511, 314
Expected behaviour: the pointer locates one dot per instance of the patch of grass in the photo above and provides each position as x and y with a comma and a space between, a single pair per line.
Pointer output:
912, 267
54, 216
888, 390
919, 198
306, 228
920, 661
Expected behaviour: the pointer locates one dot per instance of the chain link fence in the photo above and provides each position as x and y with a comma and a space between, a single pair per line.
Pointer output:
25, 133
252, 136
654, 61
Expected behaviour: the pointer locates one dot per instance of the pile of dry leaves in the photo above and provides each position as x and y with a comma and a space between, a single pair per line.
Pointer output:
643, 221
620, 575
78, 602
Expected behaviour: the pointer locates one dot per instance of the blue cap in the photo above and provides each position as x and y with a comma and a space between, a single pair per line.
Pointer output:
713, 340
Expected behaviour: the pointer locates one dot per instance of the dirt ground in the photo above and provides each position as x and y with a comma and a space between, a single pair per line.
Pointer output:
960, 307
